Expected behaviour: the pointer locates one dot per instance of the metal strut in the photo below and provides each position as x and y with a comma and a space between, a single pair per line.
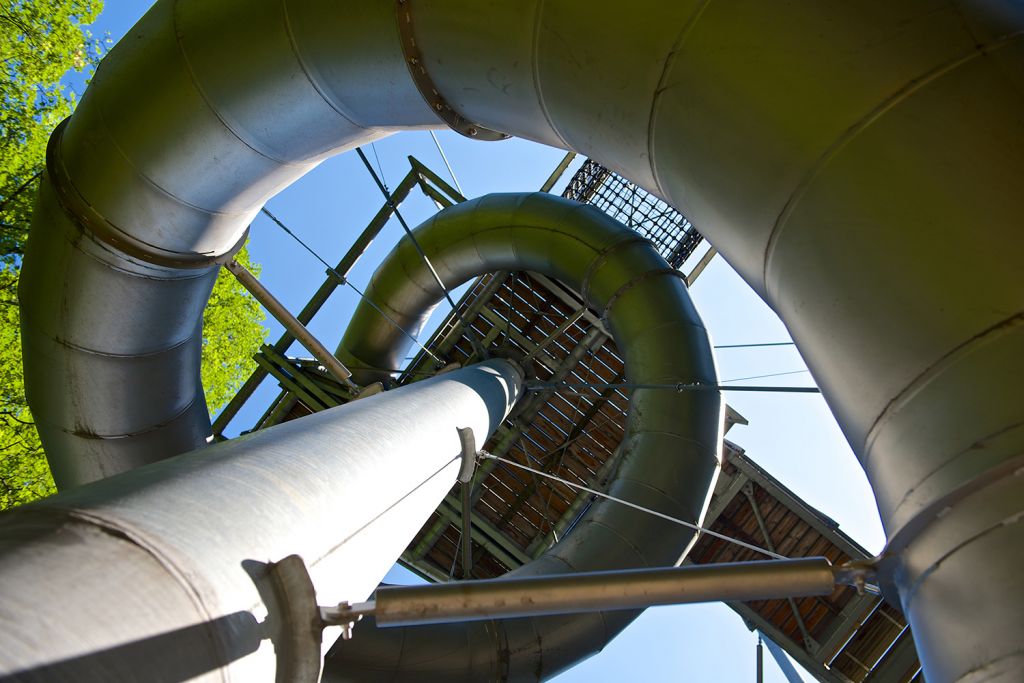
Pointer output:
592, 591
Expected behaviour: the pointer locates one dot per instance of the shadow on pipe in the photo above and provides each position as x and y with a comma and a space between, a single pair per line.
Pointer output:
210, 645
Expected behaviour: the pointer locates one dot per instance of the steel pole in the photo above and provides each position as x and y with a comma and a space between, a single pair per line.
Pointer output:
594, 591
760, 659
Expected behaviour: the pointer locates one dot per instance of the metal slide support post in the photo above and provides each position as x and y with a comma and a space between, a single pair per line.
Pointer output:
468, 440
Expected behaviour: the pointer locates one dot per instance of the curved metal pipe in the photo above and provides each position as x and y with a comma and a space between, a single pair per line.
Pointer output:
131, 225
856, 163
671, 452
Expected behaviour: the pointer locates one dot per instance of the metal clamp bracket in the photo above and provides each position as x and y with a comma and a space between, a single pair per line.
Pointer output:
469, 454
425, 84
96, 226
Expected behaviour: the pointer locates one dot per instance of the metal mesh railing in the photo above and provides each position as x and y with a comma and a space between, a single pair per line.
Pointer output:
670, 231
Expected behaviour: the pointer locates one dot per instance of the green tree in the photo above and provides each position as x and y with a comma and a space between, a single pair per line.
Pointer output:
232, 333
40, 42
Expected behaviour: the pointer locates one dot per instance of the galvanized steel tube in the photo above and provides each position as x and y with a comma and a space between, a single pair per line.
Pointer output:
671, 451
858, 163
160, 573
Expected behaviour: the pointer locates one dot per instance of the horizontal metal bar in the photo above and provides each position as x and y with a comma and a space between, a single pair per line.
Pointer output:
575, 388
590, 592
289, 384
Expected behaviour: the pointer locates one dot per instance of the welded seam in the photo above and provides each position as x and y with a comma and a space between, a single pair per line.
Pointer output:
936, 369
410, 279
916, 525
666, 497
310, 78
73, 203
910, 592
139, 539
159, 273
688, 324
666, 67
266, 154
622, 538
149, 181
92, 436
969, 676
535, 71
969, 451
397, 664
712, 449
113, 258
909, 89
601, 257
118, 356
633, 282
513, 243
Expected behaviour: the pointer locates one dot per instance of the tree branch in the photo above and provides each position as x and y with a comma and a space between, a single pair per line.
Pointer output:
21, 188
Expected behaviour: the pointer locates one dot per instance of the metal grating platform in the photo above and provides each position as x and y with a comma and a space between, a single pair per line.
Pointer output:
636, 208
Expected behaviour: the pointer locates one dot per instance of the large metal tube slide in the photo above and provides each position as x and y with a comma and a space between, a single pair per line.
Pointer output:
161, 573
858, 163
670, 454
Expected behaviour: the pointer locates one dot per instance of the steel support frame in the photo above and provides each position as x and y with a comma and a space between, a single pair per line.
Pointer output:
809, 643
730, 486
419, 175
595, 337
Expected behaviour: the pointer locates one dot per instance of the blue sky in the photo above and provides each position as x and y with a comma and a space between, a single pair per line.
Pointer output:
793, 436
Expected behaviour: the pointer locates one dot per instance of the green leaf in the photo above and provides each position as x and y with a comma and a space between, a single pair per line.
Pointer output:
40, 41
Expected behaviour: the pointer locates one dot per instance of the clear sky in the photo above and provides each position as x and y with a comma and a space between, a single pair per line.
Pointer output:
793, 436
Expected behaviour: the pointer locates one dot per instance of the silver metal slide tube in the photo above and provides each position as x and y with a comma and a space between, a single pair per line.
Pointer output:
152, 184
596, 591
857, 163
670, 455
160, 573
